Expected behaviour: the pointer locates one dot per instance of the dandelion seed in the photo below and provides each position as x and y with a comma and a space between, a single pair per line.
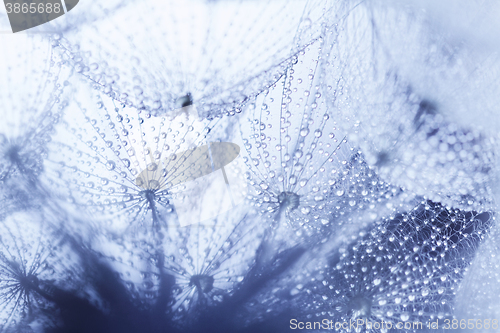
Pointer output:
402, 269
207, 263
30, 105
294, 164
210, 262
477, 293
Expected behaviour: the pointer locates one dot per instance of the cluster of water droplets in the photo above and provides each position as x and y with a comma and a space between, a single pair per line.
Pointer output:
406, 129
119, 165
401, 269
294, 151
220, 52
35, 263
303, 172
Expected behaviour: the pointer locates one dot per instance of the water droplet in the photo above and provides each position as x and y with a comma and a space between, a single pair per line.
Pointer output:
110, 165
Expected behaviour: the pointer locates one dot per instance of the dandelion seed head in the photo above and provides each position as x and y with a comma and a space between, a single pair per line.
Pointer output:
209, 263
217, 51
288, 200
367, 177
291, 164
30, 263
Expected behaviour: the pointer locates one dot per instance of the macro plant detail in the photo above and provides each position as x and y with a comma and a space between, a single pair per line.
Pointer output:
209, 263
398, 272
31, 269
250, 166
23, 146
414, 136
304, 172
294, 151
199, 65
